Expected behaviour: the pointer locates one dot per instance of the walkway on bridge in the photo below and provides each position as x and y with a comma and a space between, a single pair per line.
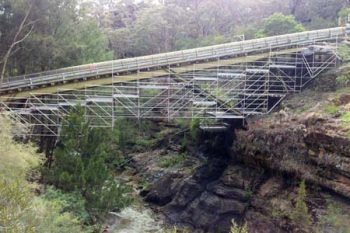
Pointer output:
229, 81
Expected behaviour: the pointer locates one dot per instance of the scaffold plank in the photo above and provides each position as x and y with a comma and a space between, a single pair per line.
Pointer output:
204, 103
258, 71
107, 100
154, 87
278, 66
126, 96
205, 79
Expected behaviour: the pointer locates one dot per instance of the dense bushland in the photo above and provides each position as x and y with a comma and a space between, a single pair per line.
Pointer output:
61, 33
20, 209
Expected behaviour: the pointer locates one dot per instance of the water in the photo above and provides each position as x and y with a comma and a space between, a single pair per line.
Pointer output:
134, 220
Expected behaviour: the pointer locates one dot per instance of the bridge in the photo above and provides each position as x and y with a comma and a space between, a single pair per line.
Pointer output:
221, 82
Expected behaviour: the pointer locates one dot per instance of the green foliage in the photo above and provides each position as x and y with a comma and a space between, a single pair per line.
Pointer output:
181, 123
249, 193
188, 43
343, 15
20, 210
331, 109
278, 24
74, 32
61, 36
173, 160
194, 127
70, 202
146, 143
238, 229
49, 217
185, 141
336, 219
343, 80
144, 184
344, 52
90, 44
80, 167
125, 133
346, 117
300, 213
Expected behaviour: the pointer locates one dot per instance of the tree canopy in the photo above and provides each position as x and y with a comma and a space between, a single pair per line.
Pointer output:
278, 24
80, 166
66, 33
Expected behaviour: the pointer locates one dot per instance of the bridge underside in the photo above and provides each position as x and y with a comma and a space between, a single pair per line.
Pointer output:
224, 89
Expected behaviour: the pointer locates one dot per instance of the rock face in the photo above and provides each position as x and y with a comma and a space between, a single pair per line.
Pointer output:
256, 180
310, 148
208, 200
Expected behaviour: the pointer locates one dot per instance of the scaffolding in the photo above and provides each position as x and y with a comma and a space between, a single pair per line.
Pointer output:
226, 91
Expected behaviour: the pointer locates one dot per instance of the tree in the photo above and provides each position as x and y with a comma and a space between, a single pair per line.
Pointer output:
278, 24
344, 15
300, 213
316, 14
17, 39
62, 36
80, 166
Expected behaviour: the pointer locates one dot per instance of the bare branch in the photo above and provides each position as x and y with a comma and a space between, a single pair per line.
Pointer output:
15, 42
24, 37
12, 53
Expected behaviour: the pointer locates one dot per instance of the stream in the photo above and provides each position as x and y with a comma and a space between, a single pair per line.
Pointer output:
134, 219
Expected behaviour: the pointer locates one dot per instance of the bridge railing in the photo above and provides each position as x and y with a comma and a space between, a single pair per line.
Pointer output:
164, 59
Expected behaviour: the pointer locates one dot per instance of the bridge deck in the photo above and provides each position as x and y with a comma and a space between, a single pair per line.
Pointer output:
84, 72
63, 87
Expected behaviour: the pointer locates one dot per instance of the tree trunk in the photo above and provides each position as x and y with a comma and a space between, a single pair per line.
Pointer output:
15, 42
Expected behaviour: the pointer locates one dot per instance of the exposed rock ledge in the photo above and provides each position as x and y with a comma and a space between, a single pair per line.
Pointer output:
312, 148
257, 180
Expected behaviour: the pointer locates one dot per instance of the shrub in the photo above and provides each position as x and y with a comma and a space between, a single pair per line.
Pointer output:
194, 127
331, 109
344, 52
300, 213
70, 202
238, 229
343, 80
173, 161
336, 219
20, 210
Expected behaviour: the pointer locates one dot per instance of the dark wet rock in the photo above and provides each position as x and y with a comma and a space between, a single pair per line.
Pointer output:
189, 190
164, 190
215, 194
224, 191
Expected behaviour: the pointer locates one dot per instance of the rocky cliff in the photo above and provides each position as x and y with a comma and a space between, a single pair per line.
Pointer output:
256, 180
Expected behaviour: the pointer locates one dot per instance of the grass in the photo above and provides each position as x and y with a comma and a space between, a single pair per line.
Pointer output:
335, 219
331, 109
173, 160
346, 117
346, 122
